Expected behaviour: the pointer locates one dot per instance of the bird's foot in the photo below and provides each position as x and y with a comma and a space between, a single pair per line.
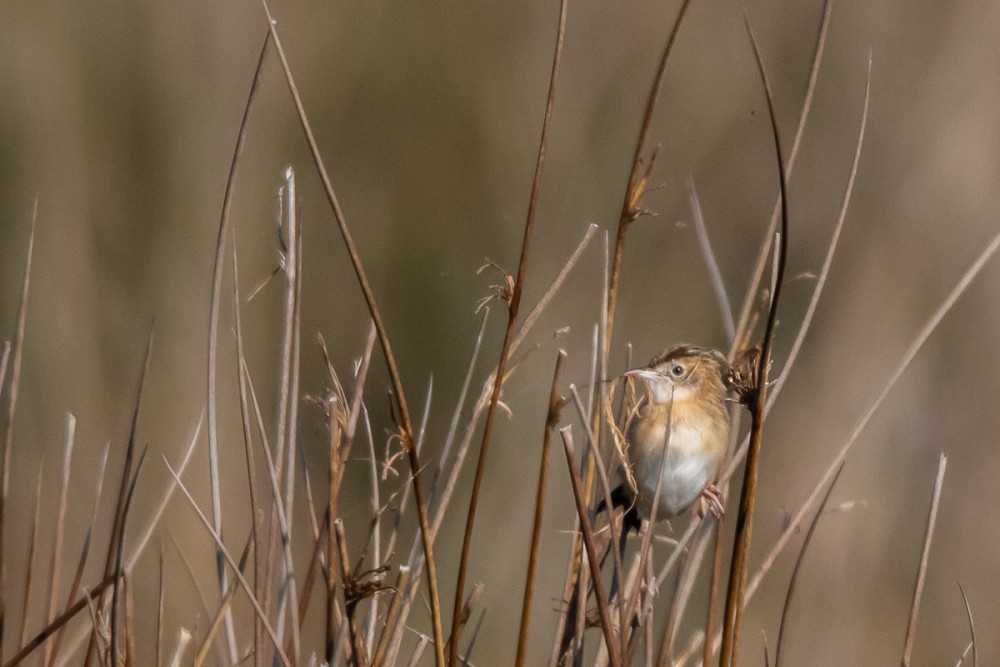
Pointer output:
710, 500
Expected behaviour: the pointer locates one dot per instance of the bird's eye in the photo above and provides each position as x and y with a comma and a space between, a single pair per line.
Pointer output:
677, 370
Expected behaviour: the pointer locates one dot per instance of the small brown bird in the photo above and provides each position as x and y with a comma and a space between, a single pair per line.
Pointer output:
685, 418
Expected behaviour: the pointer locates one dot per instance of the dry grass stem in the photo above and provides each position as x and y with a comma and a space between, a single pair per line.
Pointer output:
588, 540
918, 589
739, 564
59, 530
551, 420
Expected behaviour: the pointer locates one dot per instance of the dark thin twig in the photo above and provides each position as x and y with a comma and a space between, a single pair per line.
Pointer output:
120, 555
918, 589
614, 655
758, 273
636, 186
59, 622
513, 308
121, 505
748, 497
798, 568
349, 604
555, 405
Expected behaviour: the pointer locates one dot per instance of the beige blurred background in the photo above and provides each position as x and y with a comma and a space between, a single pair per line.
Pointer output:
121, 118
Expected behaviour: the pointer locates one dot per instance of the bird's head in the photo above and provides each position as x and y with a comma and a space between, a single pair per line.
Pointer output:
683, 372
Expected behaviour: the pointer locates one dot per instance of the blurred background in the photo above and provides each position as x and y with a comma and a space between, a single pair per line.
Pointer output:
120, 119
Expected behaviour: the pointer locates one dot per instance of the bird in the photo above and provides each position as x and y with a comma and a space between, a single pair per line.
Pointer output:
676, 436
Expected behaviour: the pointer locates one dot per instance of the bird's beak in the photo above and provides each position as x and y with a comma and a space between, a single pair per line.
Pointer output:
660, 389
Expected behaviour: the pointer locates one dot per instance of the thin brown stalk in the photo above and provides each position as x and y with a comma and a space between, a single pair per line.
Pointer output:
918, 589
59, 530
615, 528
232, 564
749, 300
120, 556
513, 308
74, 588
350, 604
392, 616
782, 636
213, 329
332, 552
551, 420
58, 622
400, 397
739, 563
12, 394
316, 564
637, 183
614, 655
30, 567
120, 504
